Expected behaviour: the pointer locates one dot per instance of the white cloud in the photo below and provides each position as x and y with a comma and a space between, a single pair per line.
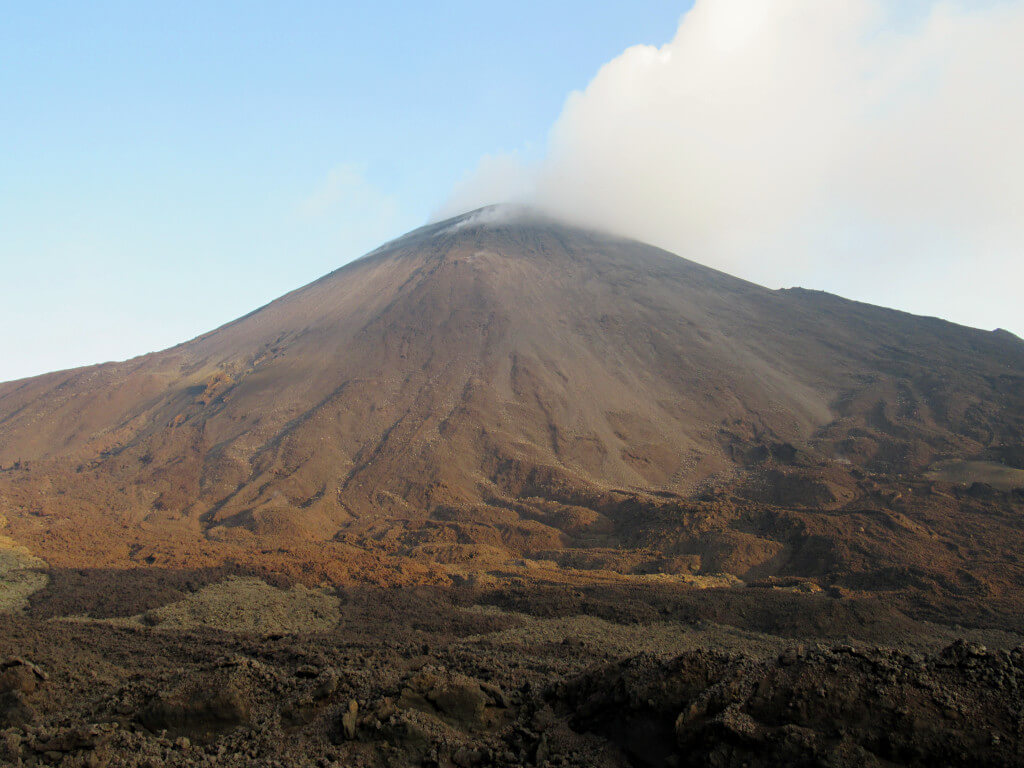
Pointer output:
495, 215
850, 145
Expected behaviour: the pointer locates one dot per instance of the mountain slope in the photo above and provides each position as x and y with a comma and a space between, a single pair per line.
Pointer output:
491, 386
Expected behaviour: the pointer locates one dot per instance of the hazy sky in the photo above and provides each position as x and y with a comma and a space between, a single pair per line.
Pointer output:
166, 167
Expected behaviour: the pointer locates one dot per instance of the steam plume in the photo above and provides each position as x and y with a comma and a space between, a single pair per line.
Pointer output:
855, 146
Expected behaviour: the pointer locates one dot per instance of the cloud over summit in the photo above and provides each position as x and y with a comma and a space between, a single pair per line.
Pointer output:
861, 147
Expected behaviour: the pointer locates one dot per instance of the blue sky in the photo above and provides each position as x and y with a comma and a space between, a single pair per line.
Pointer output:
166, 167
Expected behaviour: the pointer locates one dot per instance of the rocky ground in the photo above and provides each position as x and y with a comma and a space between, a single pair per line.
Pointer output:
649, 674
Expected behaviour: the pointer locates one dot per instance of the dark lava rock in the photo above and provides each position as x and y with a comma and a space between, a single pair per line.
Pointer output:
199, 711
15, 709
454, 696
20, 675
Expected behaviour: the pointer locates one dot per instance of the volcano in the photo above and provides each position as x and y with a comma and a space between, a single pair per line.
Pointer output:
501, 386
508, 492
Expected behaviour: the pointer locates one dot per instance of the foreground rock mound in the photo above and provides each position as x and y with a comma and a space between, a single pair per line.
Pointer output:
825, 706
437, 682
